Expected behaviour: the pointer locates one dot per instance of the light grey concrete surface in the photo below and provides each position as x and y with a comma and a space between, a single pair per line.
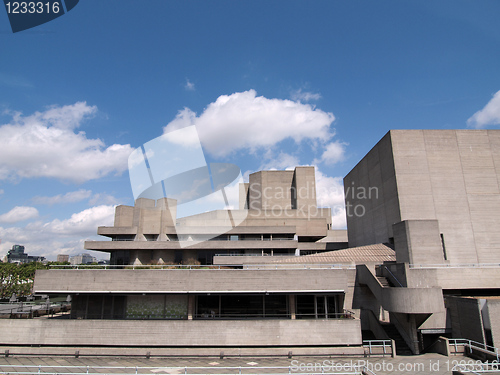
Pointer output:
189, 281
418, 242
418, 365
494, 317
402, 300
445, 175
466, 320
180, 333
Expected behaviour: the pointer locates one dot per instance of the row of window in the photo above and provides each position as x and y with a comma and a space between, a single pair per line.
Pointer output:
222, 306
200, 237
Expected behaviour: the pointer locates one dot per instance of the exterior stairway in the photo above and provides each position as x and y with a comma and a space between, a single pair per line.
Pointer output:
401, 346
383, 280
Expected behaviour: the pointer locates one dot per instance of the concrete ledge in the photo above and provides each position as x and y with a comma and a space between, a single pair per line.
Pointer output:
228, 260
181, 333
189, 281
400, 299
21, 351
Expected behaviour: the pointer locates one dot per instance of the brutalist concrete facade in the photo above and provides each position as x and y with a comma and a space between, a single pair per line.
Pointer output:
449, 178
278, 214
149, 291
432, 196
435, 196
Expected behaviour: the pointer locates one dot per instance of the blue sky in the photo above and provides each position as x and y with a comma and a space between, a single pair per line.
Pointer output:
269, 84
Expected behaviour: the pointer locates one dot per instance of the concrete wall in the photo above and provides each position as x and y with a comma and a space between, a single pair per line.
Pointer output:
454, 277
451, 176
304, 188
192, 281
212, 333
466, 320
402, 300
372, 205
494, 315
270, 188
418, 242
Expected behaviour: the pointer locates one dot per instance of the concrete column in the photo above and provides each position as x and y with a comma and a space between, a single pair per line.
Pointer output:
291, 303
191, 306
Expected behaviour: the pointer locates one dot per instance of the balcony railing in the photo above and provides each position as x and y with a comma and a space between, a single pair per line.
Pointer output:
322, 368
452, 265
269, 266
346, 314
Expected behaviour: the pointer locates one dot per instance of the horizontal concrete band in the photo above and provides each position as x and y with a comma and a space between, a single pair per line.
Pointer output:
82, 351
214, 333
171, 281
176, 245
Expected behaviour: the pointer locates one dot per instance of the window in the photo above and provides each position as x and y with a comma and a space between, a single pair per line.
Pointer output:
319, 306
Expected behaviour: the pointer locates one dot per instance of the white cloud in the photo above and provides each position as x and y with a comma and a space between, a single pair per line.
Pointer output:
244, 121
1, 191
330, 193
82, 223
304, 96
334, 152
189, 86
45, 144
489, 115
19, 213
71, 197
59, 236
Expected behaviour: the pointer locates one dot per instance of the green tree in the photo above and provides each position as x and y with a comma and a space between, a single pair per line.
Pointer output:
18, 279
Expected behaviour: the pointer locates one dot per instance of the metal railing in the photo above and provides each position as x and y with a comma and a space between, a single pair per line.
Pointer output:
256, 255
476, 368
268, 266
214, 370
372, 345
471, 344
392, 275
30, 310
214, 316
451, 265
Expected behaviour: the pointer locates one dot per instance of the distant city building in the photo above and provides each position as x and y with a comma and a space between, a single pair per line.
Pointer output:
63, 258
17, 255
82, 259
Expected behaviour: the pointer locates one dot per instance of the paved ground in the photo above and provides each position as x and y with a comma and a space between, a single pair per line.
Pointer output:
423, 364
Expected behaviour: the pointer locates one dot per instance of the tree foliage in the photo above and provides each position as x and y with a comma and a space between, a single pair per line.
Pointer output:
18, 278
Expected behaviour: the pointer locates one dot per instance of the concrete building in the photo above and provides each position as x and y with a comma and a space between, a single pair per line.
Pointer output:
83, 258
434, 195
278, 216
246, 303
63, 258
420, 259
17, 255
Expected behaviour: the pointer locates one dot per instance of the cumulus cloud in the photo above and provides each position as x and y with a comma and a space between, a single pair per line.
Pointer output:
19, 213
82, 223
489, 115
334, 152
71, 197
304, 96
189, 86
244, 120
330, 193
45, 144
59, 236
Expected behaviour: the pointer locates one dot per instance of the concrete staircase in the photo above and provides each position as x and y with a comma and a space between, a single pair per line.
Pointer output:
383, 281
401, 346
